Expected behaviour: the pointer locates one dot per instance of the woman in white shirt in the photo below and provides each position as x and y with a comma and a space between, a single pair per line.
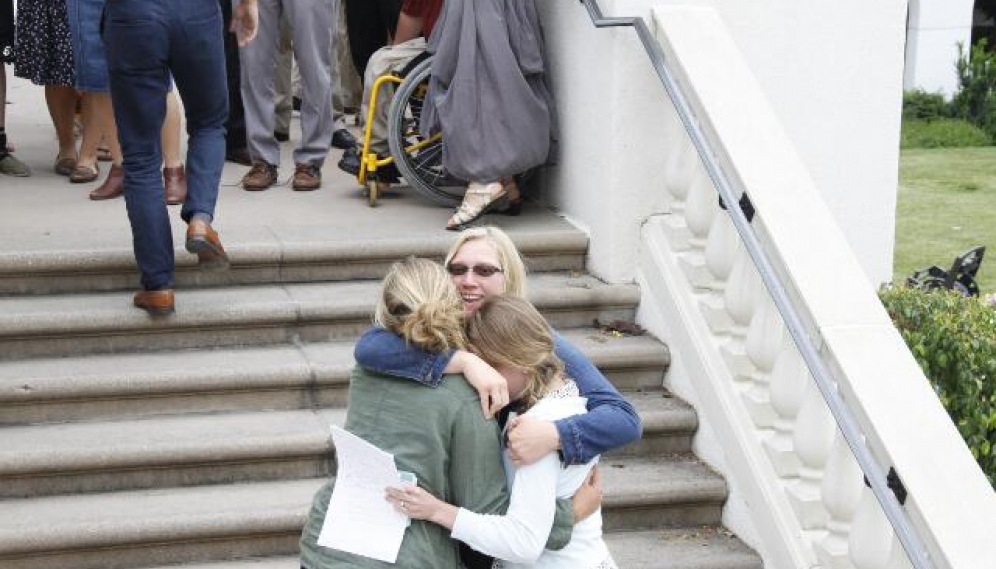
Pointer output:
513, 337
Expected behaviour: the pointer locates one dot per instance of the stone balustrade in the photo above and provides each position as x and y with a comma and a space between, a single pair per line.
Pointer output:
806, 503
815, 471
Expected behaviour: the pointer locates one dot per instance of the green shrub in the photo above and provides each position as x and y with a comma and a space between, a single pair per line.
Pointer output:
954, 340
976, 97
921, 105
942, 133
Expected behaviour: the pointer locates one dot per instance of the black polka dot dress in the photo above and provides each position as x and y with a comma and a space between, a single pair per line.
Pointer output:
43, 51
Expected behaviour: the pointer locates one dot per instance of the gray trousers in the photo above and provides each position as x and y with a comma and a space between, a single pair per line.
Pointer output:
385, 60
313, 25
345, 92
284, 76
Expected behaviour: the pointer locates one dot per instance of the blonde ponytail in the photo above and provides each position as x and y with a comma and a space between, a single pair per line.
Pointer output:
419, 302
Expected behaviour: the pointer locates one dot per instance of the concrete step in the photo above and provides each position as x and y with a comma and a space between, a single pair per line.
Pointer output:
669, 424
164, 526
657, 492
67, 325
204, 523
705, 547
92, 260
162, 452
121, 386
682, 548
201, 449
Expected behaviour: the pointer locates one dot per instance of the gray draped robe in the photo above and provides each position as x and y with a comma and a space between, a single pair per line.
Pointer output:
488, 92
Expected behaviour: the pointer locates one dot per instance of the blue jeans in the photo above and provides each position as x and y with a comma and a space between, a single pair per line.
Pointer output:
610, 422
88, 48
146, 41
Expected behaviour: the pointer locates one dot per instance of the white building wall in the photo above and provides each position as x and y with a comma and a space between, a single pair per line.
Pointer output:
832, 70
935, 29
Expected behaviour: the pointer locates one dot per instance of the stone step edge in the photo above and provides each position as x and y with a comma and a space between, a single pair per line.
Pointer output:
642, 546
244, 369
236, 438
274, 251
260, 306
29, 534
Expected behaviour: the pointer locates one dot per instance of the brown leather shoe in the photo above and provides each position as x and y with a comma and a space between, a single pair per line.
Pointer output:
155, 302
203, 241
260, 176
113, 186
307, 177
175, 180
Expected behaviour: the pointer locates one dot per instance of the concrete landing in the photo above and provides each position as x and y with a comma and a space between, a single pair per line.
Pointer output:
46, 205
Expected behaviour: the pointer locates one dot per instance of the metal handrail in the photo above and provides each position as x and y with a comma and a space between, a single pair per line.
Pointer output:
874, 473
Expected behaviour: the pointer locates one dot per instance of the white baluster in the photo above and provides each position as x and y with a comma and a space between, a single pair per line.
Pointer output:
842, 487
701, 207
733, 314
722, 247
872, 543
679, 167
679, 170
762, 345
764, 335
711, 269
789, 380
740, 295
814, 434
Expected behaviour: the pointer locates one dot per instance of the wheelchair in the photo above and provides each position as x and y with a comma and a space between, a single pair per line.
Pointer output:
418, 159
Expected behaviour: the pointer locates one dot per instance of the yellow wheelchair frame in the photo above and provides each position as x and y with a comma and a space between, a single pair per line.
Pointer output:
370, 161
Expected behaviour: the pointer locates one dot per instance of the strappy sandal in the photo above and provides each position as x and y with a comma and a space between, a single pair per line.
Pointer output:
64, 166
84, 174
104, 154
479, 199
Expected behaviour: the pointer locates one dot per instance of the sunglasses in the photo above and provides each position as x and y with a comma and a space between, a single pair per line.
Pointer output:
458, 270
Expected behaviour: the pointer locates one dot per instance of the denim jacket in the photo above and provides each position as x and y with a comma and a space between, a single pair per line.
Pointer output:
610, 422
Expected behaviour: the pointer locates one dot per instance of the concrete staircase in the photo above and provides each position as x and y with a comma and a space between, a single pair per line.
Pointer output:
199, 440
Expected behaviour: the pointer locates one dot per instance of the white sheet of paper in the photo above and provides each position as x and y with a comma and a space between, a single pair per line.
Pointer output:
359, 519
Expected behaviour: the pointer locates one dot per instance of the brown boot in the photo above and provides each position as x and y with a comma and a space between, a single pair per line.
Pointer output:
113, 186
260, 176
307, 177
155, 302
203, 241
175, 180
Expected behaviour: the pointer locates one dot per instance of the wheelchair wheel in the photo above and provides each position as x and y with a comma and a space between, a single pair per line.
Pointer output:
419, 160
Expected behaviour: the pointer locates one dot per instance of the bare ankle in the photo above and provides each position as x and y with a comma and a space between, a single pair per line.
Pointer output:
511, 188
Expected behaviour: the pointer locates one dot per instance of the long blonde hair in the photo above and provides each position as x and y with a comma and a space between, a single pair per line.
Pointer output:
419, 302
508, 330
508, 256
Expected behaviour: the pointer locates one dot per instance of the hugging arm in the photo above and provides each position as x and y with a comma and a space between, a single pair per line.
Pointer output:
519, 535
385, 352
477, 483
610, 422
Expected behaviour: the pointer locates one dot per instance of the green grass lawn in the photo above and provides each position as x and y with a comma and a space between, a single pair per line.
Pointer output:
947, 205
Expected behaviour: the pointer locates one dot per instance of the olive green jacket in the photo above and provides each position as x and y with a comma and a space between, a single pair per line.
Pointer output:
440, 435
